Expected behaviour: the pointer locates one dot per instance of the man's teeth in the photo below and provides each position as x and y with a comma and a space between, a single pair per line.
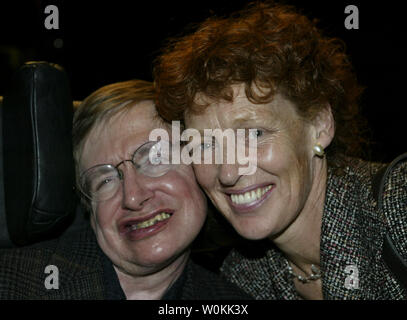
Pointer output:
148, 223
249, 196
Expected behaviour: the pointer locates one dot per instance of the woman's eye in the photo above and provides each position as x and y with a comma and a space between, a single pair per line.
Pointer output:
206, 145
199, 148
256, 133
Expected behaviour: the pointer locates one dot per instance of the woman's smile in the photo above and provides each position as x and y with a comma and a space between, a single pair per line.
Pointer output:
250, 198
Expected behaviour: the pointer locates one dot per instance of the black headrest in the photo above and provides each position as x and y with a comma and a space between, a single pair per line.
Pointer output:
38, 167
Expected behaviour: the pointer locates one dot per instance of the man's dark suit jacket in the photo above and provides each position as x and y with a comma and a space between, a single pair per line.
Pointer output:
86, 273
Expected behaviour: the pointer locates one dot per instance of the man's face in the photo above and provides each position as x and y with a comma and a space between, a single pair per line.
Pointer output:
166, 212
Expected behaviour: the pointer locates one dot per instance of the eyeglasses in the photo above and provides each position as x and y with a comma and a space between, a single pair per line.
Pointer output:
101, 182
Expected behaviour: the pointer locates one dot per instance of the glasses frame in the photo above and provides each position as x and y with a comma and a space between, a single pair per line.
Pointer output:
120, 173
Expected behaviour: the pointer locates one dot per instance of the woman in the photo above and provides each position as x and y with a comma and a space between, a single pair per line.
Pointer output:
269, 68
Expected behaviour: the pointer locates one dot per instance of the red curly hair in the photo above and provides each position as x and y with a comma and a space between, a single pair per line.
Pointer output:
266, 46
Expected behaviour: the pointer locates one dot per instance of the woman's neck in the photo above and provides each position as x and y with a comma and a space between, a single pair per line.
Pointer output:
300, 242
154, 285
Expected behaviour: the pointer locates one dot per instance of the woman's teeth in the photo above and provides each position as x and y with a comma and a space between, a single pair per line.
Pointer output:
249, 196
148, 223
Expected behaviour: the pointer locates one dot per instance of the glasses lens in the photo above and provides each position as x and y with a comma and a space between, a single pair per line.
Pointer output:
100, 183
153, 158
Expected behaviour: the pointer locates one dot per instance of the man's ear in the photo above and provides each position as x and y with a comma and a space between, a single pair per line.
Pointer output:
324, 127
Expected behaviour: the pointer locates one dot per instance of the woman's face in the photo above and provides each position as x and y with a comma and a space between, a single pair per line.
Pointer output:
149, 221
267, 202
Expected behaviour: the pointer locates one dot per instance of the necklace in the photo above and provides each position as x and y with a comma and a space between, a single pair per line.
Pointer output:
315, 274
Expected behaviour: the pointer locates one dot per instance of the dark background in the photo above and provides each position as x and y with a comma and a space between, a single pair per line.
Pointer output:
118, 40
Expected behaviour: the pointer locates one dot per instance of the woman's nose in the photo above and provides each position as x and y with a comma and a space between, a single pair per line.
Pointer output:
135, 191
228, 174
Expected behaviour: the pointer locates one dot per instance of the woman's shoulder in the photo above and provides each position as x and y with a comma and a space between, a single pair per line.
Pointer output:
367, 169
396, 180
385, 182
359, 185
358, 170
394, 203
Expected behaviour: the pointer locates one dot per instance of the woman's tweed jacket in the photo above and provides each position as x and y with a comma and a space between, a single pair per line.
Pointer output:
352, 234
85, 273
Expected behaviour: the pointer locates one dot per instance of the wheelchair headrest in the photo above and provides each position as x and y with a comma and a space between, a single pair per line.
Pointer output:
38, 168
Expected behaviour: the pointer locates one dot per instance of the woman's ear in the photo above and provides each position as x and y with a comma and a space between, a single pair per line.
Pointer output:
324, 127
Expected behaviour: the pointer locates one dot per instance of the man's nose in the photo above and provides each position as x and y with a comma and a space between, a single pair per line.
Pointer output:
135, 190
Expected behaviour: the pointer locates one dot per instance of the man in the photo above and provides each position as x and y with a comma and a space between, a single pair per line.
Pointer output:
144, 215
